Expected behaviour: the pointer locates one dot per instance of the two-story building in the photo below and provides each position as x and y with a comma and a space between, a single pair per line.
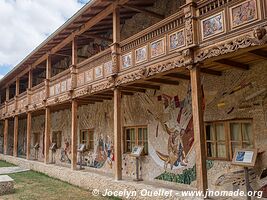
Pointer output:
185, 79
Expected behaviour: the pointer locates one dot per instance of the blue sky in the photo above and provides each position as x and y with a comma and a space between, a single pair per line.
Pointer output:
26, 23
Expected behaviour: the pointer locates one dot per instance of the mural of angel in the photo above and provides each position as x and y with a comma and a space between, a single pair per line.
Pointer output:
181, 134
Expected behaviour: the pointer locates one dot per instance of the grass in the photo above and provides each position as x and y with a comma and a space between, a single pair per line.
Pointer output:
32, 185
5, 164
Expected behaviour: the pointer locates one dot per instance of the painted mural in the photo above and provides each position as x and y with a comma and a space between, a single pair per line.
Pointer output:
157, 48
179, 131
177, 40
127, 60
104, 153
212, 25
186, 177
244, 13
141, 54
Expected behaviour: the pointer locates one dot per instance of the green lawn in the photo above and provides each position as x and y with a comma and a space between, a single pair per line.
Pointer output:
32, 185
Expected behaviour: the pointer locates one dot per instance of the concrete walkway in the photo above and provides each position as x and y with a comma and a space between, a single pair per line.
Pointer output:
11, 170
99, 183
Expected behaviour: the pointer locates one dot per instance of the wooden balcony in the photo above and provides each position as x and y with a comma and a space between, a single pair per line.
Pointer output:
208, 29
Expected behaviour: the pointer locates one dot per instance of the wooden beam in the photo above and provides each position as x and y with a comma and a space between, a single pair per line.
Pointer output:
127, 93
74, 52
234, 64
48, 67
147, 86
16, 129
142, 10
179, 76
74, 137
117, 134
17, 87
211, 72
199, 137
30, 80
133, 89
97, 18
259, 53
96, 37
47, 134
116, 25
5, 136
29, 126
163, 81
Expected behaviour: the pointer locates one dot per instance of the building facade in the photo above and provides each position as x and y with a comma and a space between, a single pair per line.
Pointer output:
184, 79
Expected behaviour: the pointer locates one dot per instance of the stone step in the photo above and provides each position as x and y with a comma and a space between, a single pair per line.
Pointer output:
6, 184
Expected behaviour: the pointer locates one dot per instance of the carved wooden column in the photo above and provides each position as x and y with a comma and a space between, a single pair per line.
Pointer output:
74, 121
15, 146
117, 134
190, 23
47, 134
199, 138
48, 75
115, 47
7, 93
29, 126
29, 87
16, 93
5, 136
74, 60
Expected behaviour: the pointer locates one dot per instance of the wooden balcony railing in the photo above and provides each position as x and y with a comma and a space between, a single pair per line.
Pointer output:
60, 83
95, 68
22, 102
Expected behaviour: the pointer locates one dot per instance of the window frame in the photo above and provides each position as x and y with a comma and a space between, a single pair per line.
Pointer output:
228, 139
89, 141
58, 146
136, 138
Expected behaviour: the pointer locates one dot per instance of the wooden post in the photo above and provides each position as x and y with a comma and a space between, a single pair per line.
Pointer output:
117, 134
5, 136
17, 86
199, 138
74, 52
29, 126
7, 93
30, 80
15, 147
47, 134
115, 47
48, 67
74, 120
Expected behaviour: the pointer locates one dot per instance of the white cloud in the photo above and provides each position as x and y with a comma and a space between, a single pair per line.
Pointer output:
26, 23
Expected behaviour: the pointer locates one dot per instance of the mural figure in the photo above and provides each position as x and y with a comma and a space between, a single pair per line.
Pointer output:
244, 13
212, 25
181, 135
104, 152
127, 60
177, 40
65, 152
176, 154
141, 54
157, 48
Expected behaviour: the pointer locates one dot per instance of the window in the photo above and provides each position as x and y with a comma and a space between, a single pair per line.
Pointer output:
222, 138
87, 138
36, 138
56, 138
135, 136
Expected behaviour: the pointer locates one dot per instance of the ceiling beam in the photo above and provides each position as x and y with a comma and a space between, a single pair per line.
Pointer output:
97, 18
92, 36
133, 89
211, 71
179, 76
147, 86
142, 10
163, 81
234, 64
259, 53
127, 93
